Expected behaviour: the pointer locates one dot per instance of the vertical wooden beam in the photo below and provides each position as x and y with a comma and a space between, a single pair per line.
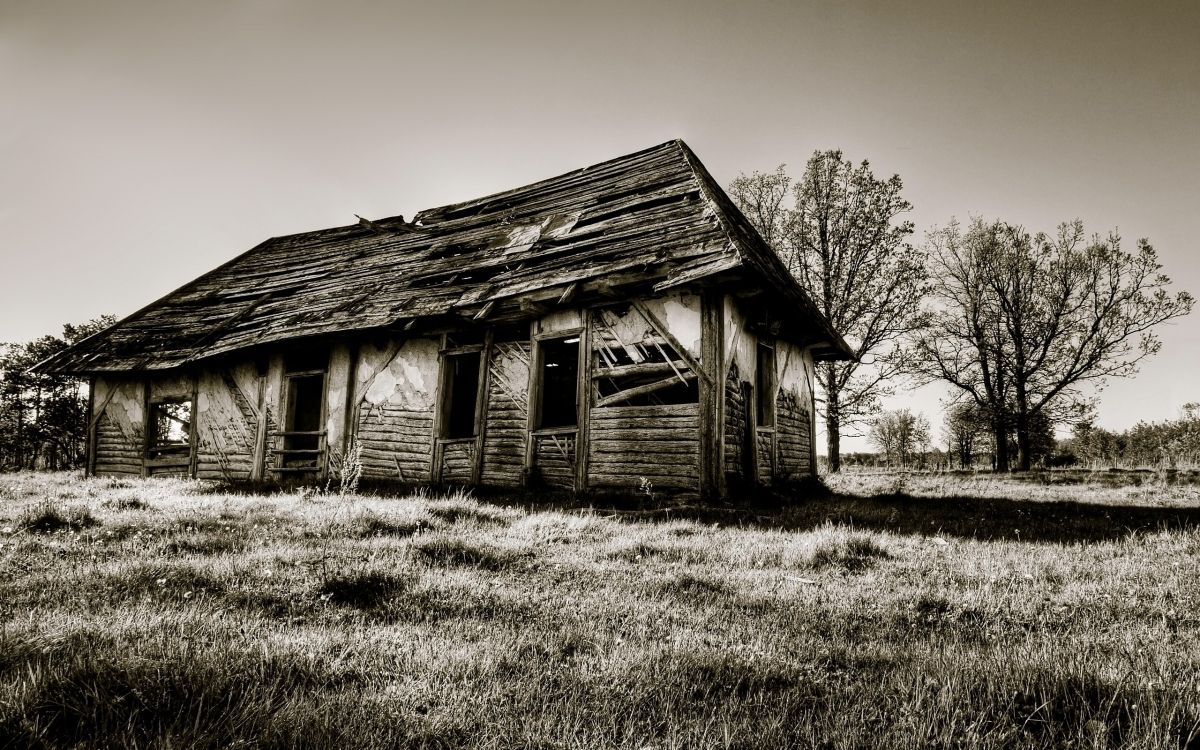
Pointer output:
481, 404
277, 379
439, 415
89, 462
258, 465
810, 370
350, 418
193, 428
712, 401
535, 399
583, 403
145, 426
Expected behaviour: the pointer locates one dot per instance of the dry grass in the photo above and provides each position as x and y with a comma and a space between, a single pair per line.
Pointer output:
171, 614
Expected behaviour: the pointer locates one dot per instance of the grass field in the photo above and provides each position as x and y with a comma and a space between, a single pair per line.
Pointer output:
921, 611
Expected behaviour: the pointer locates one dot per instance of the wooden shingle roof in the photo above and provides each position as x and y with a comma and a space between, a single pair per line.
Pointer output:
654, 218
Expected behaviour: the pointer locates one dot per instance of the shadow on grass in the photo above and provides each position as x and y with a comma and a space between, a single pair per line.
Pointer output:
810, 505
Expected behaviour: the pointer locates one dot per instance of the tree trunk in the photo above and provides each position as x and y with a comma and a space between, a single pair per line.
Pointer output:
833, 425
1023, 444
1000, 433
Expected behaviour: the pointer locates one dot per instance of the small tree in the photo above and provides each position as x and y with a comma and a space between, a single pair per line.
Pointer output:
844, 241
900, 435
964, 430
43, 418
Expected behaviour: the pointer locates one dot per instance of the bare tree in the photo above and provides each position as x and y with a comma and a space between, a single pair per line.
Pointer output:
1028, 322
964, 425
844, 241
900, 435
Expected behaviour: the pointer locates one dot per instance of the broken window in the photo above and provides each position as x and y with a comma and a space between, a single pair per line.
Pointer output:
559, 372
638, 369
461, 395
764, 390
170, 427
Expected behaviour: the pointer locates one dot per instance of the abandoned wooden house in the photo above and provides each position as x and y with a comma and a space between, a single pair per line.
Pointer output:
613, 326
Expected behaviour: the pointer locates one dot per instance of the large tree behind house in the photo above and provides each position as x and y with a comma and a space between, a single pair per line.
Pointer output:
843, 238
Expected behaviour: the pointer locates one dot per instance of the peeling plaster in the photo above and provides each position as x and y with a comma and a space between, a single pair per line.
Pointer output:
409, 380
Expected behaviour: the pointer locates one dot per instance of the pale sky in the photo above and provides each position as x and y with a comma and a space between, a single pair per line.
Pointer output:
143, 143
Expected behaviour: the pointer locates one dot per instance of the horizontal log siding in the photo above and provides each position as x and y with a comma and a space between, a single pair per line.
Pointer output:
554, 460
735, 422
397, 443
766, 456
457, 461
507, 416
115, 453
793, 436
658, 443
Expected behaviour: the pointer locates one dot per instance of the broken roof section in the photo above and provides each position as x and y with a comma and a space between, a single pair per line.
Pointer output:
650, 220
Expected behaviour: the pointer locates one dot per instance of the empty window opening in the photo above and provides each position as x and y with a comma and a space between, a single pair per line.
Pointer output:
305, 405
170, 427
560, 383
764, 390
461, 395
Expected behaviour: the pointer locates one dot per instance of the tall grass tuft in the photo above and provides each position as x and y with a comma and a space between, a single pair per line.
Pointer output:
853, 553
47, 518
443, 550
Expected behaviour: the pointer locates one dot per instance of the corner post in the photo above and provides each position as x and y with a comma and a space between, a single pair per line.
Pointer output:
193, 428
481, 405
89, 463
712, 401
583, 403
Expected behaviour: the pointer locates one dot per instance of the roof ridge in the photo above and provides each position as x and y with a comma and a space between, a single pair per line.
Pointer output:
483, 200
757, 258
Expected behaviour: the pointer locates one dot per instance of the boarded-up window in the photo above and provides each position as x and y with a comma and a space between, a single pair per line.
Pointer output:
636, 365
559, 360
461, 395
170, 427
764, 391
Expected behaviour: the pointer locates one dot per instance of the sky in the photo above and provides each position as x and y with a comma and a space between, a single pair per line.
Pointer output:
143, 143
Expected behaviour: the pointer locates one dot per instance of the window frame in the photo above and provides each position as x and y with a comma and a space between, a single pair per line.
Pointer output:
766, 384
539, 375
153, 449
446, 390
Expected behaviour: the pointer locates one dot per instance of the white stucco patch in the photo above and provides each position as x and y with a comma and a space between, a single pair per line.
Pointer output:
682, 317
409, 379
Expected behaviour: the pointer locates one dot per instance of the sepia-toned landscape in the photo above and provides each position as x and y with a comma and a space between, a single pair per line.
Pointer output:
902, 610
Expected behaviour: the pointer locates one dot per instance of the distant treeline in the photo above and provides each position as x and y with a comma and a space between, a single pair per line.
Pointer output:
1171, 444
43, 418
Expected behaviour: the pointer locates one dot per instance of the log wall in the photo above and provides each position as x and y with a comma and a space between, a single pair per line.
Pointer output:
658, 443
794, 412
554, 460
507, 415
120, 425
395, 391
736, 422
227, 415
